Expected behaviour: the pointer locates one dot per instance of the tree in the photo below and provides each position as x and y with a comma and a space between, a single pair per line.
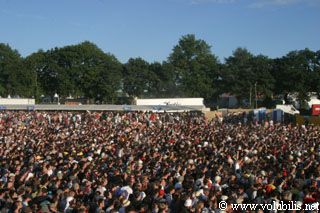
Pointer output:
96, 74
312, 66
191, 70
107, 81
77, 70
36, 64
163, 85
156, 80
261, 67
46, 69
238, 74
244, 74
15, 79
297, 73
138, 79
195, 68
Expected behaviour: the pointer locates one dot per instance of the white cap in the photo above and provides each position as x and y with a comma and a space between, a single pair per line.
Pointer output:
143, 195
217, 178
188, 203
224, 197
199, 192
69, 199
190, 161
126, 203
247, 159
30, 175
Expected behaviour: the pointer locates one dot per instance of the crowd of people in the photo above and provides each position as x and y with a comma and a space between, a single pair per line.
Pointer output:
151, 162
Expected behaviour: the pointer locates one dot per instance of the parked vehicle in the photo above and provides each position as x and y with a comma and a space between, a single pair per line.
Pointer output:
315, 110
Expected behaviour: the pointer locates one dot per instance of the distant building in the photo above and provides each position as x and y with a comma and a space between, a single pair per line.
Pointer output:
17, 101
314, 99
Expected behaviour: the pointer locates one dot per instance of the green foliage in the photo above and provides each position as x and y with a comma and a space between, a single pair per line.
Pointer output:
15, 79
245, 74
78, 70
297, 72
195, 68
238, 75
163, 85
192, 70
137, 78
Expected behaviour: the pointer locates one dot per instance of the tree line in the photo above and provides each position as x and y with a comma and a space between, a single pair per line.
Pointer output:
191, 70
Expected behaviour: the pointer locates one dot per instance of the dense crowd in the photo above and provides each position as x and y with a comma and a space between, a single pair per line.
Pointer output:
151, 162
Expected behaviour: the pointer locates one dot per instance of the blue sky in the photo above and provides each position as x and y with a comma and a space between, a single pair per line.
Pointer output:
150, 28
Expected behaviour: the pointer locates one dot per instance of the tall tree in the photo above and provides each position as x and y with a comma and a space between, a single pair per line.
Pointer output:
195, 67
137, 78
163, 85
15, 79
316, 74
96, 74
77, 70
36, 63
238, 75
246, 75
262, 67
297, 73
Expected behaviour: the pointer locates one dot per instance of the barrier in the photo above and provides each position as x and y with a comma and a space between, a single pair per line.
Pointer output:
30, 108
43, 107
127, 108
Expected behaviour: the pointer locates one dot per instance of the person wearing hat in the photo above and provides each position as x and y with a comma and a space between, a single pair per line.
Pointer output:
125, 203
178, 185
187, 207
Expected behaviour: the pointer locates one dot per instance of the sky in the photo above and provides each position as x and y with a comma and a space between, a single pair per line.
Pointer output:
151, 28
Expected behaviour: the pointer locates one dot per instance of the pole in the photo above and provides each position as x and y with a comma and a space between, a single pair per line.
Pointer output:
255, 88
250, 105
36, 89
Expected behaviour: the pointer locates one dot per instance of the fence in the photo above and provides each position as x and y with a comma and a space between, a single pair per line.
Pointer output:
47, 107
